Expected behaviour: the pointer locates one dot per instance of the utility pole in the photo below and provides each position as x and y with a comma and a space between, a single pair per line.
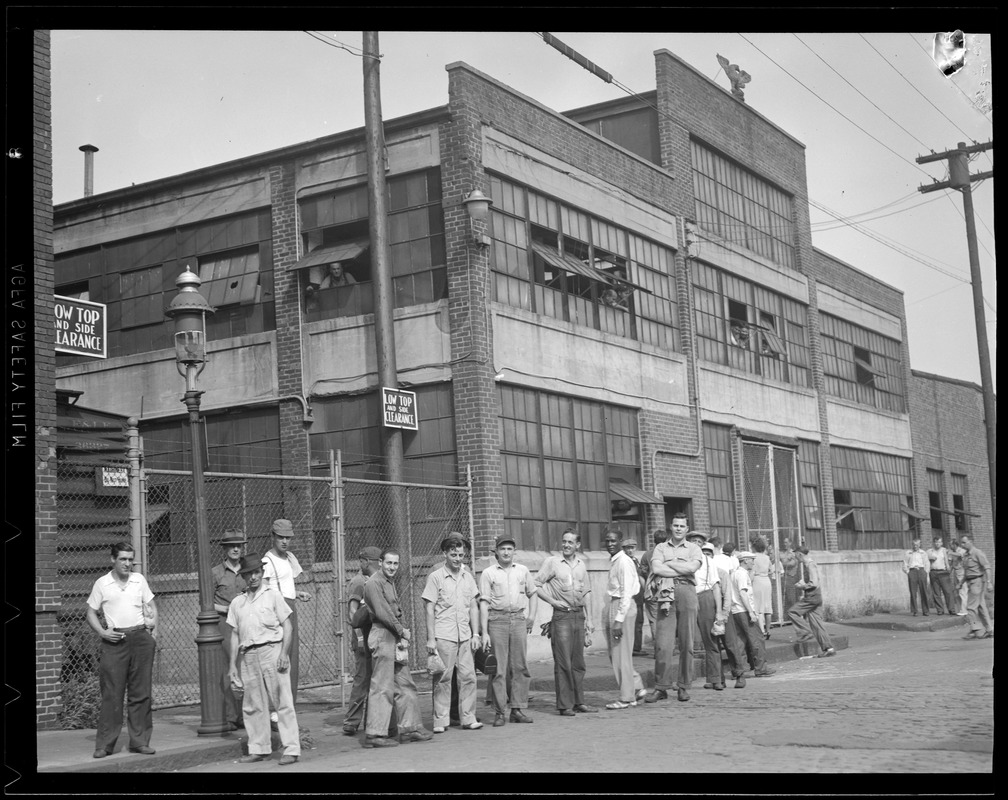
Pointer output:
381, 276
960, 179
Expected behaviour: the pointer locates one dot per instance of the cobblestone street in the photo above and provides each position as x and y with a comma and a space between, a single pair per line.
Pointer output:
872, 709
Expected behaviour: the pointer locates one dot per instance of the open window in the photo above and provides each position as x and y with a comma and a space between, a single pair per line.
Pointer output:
738, 323
336, 271
770, 343
79, 291
865, 373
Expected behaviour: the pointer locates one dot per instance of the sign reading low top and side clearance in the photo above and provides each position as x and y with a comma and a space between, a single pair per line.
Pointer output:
80, 327
399, 409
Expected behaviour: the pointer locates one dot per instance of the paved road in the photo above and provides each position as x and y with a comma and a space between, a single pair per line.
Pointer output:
872, 709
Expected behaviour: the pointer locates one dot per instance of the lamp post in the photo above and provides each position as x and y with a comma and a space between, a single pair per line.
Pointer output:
188, 309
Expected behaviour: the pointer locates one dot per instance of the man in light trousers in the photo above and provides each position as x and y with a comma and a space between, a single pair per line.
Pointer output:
618, 618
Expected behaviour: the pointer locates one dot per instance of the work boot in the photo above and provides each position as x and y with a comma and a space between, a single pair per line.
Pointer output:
379, 741
740, 682
418, 735
656, 695
683, 696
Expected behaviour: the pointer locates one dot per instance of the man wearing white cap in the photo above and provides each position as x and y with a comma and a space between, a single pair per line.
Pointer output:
280, 569
746, 623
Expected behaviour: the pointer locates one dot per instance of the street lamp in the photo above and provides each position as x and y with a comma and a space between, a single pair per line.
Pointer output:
477, 206
189, 309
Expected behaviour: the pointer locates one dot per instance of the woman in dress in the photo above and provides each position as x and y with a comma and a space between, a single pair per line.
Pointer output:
762, 593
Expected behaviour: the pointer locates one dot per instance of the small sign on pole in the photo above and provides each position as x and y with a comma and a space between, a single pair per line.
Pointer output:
399, 408
80, 327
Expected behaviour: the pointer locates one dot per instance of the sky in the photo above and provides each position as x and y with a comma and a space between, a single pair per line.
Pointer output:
160, 103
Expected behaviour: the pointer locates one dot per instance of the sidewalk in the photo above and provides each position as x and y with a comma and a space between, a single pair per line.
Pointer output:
320, 715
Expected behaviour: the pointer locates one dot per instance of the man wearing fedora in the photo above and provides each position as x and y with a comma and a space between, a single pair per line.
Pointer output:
228, 584
451, 600
280, 569
261, 636
507, 613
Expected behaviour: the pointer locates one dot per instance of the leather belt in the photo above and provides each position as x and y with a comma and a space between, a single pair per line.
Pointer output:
130, 630
973, 578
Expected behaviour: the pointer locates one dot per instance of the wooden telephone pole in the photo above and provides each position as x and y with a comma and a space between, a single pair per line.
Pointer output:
960, 179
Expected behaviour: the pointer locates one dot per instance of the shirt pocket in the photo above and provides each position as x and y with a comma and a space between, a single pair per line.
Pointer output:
498, 589
268, 617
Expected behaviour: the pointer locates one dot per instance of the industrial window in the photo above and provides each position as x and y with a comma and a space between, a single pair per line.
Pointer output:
230, 278
742, 208
560, 456
745, 326
872, 487
720, 481
959, 504
79, 291
564, 263
808, 476
936, 491
141, 297
861, 365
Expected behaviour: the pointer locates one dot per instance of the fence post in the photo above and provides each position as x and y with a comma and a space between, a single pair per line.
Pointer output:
133, 456
472, 531
411, 578
335, 526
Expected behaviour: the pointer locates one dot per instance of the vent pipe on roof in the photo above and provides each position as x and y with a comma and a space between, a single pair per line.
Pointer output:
89, 150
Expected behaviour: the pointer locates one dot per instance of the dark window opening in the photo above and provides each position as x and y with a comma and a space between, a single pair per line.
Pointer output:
863, 368
959, 505
934, 501
80, 290
738, 323
770, 343
844, 509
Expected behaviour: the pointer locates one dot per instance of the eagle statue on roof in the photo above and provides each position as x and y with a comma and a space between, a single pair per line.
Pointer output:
738, 77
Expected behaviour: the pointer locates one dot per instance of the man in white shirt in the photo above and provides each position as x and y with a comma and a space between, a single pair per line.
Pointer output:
940, 577
916, 566
618, 619
126, 659
746, 623
709, 611
280, 569
507, 613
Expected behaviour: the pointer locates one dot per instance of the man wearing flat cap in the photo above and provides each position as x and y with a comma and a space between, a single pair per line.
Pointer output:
507, 613
228, 584
451, 599
261, 634
280, 569
359, 626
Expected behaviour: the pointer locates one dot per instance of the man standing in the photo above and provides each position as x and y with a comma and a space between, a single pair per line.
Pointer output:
228, 584
359, 625
916, 566
507, 613
630, 547
804, 614
709, 611
678, 559
723, 614
391, 682
789, 565
451, 598
979, 578
280, 570
940, 576
562, 582
746, 623
126, 659
618, 620
956, 554
651, 592
260, 663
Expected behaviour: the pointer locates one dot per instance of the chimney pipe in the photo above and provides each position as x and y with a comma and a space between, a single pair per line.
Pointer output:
88, 150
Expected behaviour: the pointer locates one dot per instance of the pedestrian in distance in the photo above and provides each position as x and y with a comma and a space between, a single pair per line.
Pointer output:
762, 586
916, 567
940, 577
507, 614
956, 554
261, 641
391, 681
979, 578
451, 601
789, 573
126, 654
618, 618
562, 582
804, 614
228, 584
678, 559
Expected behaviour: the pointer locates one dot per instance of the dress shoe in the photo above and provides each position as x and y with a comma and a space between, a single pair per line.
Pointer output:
251, 758
581, 708
419, 735
379, 741
472, 726
740, 682
640, 694
519, 716
682, 695
288, 759
708, 686
349, 730
143, 750
656, 695
101, 753
567, 712
766, 672
719, 687
499, 721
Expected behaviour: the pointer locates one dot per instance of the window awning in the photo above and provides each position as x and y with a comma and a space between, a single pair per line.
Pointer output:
328, 255
912, 512
850, 510
632, 493
868, 367
570, 264
953, 512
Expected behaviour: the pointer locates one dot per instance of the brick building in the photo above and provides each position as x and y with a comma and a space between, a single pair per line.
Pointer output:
641, 325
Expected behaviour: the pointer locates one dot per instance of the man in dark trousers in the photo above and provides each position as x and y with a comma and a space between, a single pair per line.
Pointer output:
804, 614
228, 584
359, 627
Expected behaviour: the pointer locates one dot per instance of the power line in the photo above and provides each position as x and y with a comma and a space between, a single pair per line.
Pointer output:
354, 51
870, 219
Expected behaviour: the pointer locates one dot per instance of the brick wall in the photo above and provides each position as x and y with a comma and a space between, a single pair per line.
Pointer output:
48, 635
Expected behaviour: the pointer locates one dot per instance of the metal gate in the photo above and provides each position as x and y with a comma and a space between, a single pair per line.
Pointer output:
770, 497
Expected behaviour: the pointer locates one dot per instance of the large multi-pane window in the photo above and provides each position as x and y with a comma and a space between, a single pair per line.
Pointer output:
741, 207
351, 424
868, 491
720, 481
135, 279
559, 261
560, 455
336, 268
743, 325
862, 365
808, 476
